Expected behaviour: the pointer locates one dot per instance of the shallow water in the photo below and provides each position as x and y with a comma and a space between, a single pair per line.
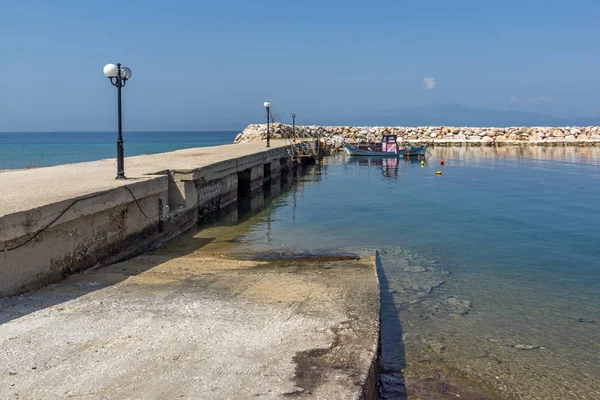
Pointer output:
493, 266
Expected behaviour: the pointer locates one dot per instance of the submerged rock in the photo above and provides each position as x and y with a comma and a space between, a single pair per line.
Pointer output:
526, 347
434, 345
414, 269
585, 320
457, 306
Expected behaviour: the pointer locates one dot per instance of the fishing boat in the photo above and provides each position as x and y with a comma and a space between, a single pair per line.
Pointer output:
387, 148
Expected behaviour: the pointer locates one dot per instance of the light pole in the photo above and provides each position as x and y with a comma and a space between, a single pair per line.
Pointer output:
268, 107
294, 127
118, 77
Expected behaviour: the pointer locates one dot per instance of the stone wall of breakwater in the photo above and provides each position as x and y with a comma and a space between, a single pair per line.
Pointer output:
334, 136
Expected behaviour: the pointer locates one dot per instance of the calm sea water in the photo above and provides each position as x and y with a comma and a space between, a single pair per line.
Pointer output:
30, 149
494, 266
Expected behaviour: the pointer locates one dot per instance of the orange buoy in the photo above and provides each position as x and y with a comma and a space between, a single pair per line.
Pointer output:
419, 157
441, 162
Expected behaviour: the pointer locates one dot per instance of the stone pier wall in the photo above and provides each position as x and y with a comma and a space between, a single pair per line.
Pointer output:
334, 136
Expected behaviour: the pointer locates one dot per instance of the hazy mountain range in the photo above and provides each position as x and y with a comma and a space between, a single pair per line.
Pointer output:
436, 115
458, 115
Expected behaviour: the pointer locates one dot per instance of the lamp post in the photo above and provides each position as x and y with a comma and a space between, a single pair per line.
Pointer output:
294, 127
118, 77
268, 107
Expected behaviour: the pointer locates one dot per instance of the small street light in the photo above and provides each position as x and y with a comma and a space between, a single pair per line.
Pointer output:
268, 107
118, 77
294, 127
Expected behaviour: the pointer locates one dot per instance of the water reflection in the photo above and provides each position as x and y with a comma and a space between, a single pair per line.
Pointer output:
572, 154
391, 167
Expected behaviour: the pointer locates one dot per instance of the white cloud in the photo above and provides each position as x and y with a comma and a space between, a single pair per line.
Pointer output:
429, 83
514, 99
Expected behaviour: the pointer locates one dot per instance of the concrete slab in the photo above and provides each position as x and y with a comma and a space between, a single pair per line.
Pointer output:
193, 320
28, 189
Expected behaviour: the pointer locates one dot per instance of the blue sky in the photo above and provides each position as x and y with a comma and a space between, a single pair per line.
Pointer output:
211, 64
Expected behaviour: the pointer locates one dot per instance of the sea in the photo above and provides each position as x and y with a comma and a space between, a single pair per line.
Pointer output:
489, 268
489, 261
44, 149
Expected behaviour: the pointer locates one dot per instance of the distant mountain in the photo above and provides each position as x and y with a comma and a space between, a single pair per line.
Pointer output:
458, 115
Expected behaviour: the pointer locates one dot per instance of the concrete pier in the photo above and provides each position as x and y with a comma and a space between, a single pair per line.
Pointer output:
196, 318
58, 220
192, 320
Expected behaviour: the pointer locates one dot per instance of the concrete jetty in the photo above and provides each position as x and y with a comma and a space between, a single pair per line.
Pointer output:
196, 322
58, 220
196, 317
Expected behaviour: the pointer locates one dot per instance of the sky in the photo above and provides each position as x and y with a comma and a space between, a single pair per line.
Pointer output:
211, 64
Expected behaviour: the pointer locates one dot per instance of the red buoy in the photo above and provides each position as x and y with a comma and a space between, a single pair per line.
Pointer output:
441, 162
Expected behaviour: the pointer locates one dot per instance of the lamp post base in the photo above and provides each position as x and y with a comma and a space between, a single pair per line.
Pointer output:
121, 177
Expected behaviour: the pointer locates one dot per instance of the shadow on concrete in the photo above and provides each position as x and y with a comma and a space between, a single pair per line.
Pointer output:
90, 280
107, 274
392, 384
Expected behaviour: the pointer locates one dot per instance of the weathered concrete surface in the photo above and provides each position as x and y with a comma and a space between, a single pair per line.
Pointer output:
193, 320
91, 217
27, 189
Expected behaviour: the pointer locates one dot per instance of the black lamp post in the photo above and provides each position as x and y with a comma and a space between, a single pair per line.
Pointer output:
268, 107
118, 77
294, 126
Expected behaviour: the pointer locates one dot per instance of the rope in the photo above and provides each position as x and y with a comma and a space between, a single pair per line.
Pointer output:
139, 206
36, 234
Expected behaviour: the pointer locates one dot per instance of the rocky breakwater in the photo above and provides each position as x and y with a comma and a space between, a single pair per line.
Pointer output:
334, 136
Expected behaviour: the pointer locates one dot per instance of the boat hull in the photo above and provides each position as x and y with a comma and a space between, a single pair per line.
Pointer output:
411, 152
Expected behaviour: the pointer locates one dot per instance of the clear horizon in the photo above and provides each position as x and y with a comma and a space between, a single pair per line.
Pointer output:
206, 66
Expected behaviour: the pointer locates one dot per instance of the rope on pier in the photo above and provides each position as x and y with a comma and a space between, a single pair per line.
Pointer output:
36, 234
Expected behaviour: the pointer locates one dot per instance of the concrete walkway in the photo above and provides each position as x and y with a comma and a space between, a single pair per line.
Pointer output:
193, 320
28, 189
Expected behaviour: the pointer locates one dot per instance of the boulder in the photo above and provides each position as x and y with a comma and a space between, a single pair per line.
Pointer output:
458, 306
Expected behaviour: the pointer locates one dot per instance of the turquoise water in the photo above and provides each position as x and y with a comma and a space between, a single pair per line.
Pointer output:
512, 234
34, 149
